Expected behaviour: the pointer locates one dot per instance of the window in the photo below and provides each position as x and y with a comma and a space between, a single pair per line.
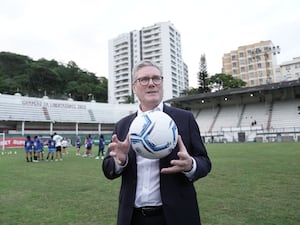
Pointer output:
258, 58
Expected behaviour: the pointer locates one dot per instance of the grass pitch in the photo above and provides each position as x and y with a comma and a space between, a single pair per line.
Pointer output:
250, 183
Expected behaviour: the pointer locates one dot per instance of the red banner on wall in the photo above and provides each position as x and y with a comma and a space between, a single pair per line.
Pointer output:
13, 142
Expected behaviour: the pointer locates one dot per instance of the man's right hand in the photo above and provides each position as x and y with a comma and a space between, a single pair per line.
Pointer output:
119, 149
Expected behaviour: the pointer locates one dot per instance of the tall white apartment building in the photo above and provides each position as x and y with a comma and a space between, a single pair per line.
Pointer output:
160, 43
255, 63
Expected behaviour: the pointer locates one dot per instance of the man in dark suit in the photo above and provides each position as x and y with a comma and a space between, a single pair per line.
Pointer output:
160, 191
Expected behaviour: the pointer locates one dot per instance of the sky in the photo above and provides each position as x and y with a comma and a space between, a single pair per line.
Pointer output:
79, 30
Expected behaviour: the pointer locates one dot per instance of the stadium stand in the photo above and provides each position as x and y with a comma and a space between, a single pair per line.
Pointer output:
227, 117
110, 113
285, 114
206, 117
262, 113
255, 115
62, 111
10, 109
20, 115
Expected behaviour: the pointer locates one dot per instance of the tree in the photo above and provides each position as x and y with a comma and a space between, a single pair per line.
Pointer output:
34, 78
223, 81
101, 90
203, 76
42, 80
191, 91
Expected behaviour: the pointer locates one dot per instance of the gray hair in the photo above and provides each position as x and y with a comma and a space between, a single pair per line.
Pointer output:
141, 65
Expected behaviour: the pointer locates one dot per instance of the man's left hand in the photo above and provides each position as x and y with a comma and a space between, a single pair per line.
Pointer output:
183, 164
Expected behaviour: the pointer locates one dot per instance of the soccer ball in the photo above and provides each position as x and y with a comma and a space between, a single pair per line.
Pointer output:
153, 134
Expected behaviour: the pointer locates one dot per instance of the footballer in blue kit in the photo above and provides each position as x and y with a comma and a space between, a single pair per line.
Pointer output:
51, 148
78, 145
28, 149
37, 148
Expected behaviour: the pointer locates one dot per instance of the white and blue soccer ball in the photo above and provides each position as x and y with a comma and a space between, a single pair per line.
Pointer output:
153, 134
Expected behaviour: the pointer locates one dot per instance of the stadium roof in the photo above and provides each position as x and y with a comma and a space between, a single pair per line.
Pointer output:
187, 100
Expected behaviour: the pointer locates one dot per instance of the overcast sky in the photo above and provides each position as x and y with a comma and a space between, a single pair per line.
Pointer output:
79, 30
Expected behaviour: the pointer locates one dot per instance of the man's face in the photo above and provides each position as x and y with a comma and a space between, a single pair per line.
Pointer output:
149, 91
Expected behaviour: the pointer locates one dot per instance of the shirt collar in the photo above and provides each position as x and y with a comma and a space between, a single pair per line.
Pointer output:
159, 108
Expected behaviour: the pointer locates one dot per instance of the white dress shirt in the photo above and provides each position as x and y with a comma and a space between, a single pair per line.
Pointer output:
148, 183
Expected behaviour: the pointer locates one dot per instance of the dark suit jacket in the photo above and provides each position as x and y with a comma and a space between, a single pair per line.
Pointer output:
177, 191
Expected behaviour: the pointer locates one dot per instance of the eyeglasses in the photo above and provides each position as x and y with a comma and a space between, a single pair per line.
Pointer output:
145, 80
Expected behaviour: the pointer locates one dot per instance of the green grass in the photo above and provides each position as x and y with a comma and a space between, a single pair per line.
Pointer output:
251, 183
255, 183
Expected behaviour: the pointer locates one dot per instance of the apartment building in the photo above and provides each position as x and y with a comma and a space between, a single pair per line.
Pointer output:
254, 63
289, 70
160, 43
